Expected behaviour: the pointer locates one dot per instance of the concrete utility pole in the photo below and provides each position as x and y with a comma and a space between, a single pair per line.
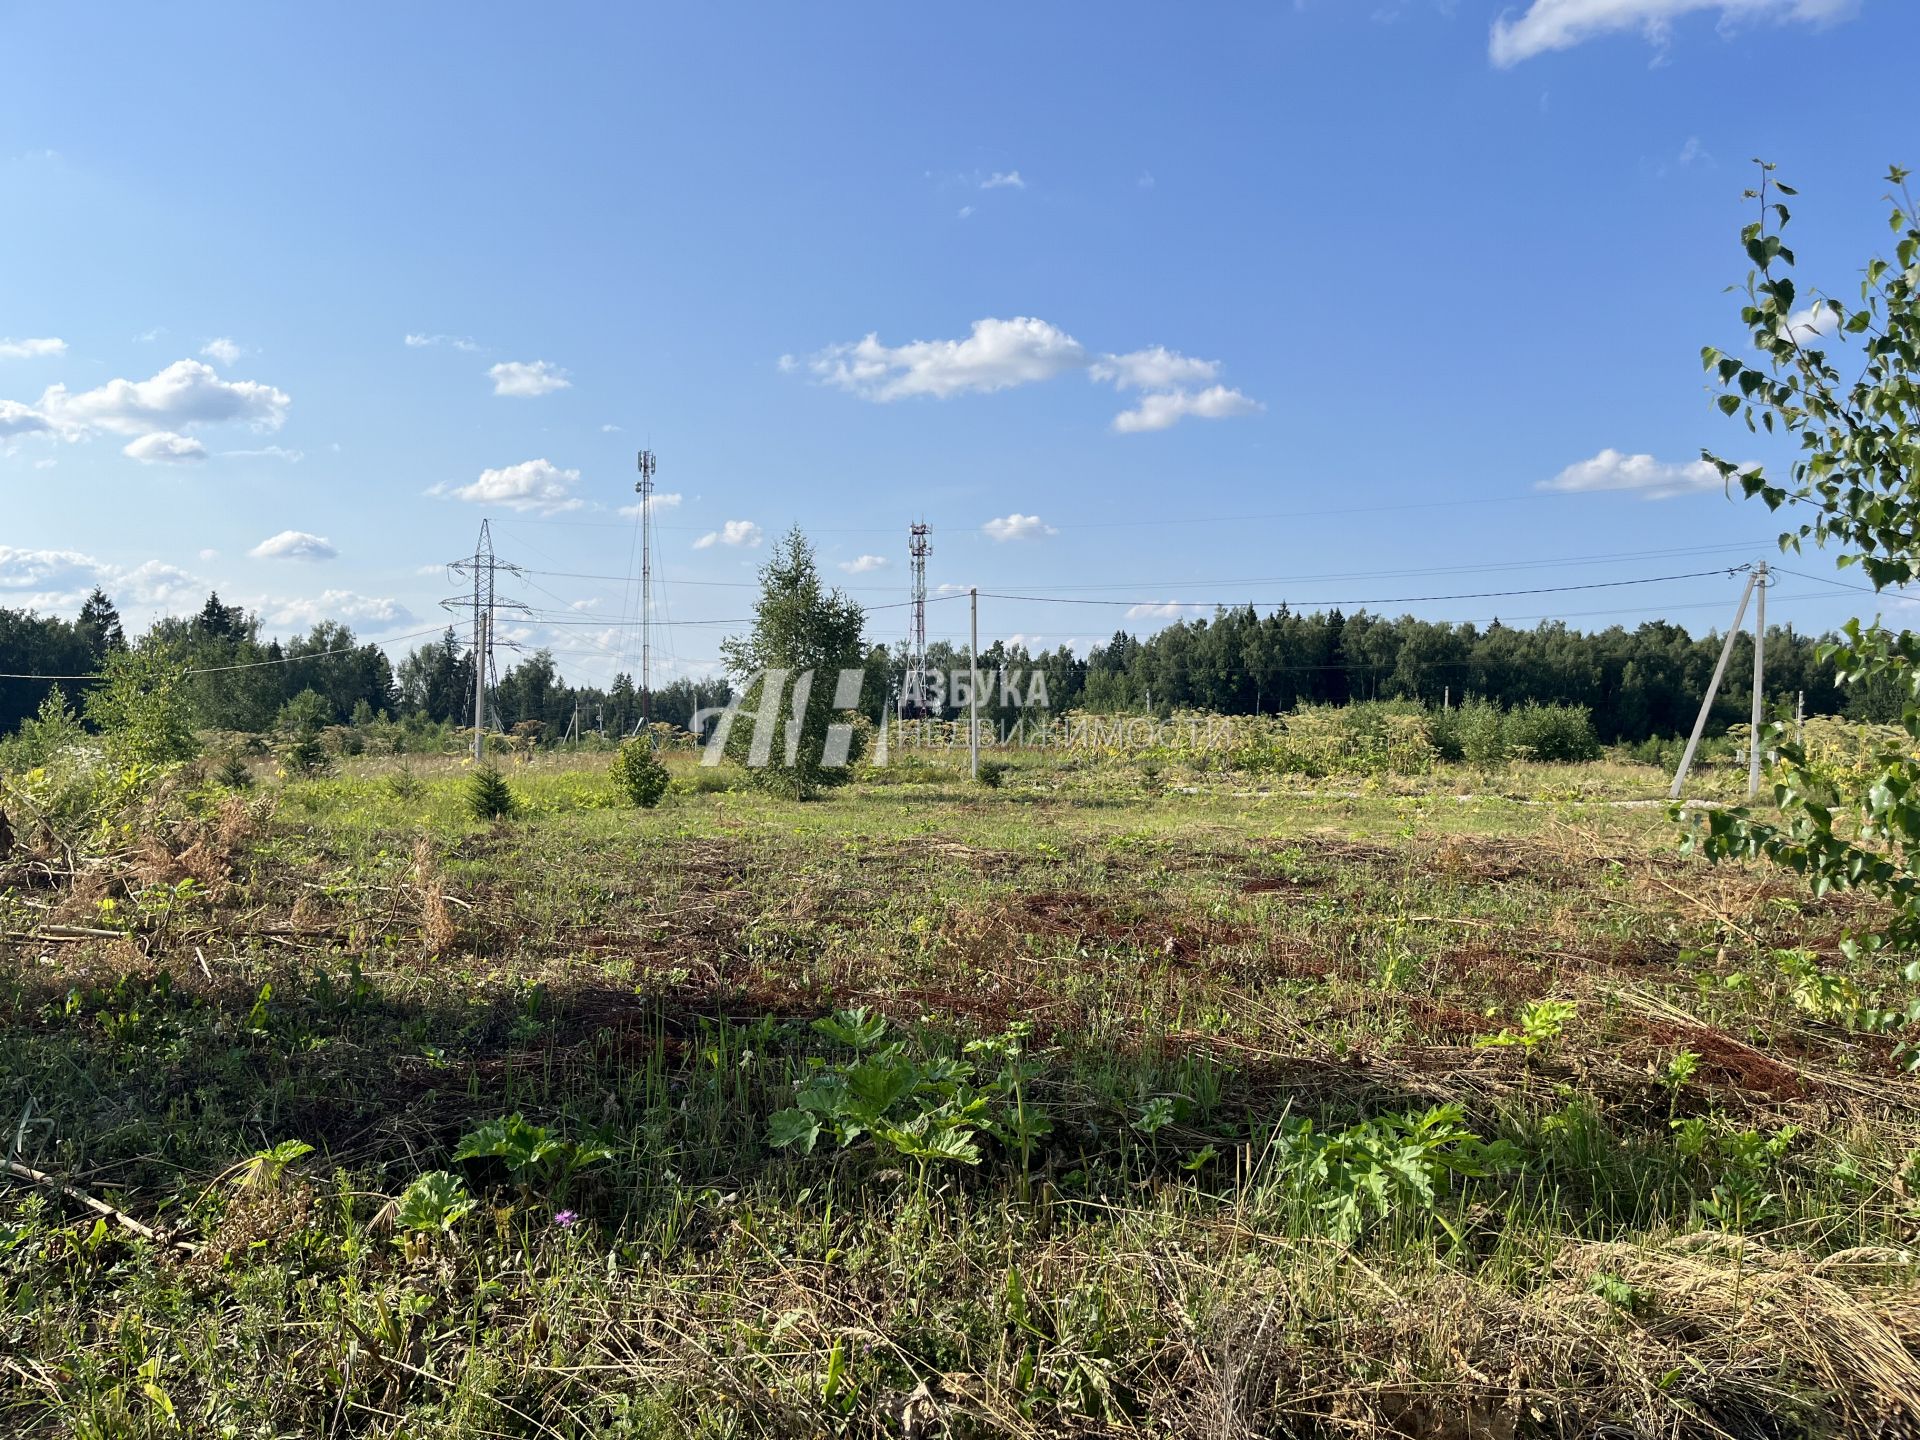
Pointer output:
1713, 685
973, 690
1760, 583
479, 682
645, 488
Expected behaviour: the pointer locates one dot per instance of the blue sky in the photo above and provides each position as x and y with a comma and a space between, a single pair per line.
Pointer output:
1130, 302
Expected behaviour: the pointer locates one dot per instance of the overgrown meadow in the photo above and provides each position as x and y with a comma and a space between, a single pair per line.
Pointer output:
1378, 1094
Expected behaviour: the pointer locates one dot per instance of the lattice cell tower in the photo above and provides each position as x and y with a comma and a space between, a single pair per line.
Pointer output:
914, 697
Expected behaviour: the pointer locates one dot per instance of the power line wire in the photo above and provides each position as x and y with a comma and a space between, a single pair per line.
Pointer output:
1382, 600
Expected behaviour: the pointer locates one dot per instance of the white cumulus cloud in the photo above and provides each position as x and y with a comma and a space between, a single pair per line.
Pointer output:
42, 348
1562, 24
525, 379
163, 447
734, 532
18, 419
537, 485
997, 355
186, 393
864, 564
1156, 368
295, 545
1161, 411
1655, 479
1017, 527
1000, 354
59, 580
1004, 180
222, 349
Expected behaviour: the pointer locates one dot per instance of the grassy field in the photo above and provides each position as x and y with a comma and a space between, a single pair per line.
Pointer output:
1454, 1105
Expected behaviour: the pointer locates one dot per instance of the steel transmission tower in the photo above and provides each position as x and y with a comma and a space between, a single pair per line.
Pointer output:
919, 546
482, 566
644, 486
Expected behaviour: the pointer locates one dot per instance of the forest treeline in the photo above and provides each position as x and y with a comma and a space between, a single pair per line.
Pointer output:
1636, 683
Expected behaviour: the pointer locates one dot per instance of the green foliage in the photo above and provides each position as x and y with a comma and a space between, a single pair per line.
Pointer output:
805, 635
533, 1155
434, 1202
264, 1169
404, 785
489, 796
1855, 482
1559, 734
1480, 733
1483, 738
638, 773
142, 707
993, 773
54, 729
932, 1109
1371, 1169
1541, 1023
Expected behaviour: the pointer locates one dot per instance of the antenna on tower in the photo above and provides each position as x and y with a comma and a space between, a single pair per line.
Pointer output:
919, 546
644, 486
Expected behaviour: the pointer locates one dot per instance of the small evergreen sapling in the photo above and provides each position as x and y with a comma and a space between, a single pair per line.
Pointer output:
489, 797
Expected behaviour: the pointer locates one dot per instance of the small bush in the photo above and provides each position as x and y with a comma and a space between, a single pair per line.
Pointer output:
489, 797
1483, 739
638, 773
1557, 733
993, 773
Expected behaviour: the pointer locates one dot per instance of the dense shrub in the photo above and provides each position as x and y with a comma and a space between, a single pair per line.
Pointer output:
1483, 739
639, 775
1557, 733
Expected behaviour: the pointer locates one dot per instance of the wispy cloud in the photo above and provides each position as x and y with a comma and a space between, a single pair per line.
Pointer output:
416, 341
660, 500
45, 347
864, 564
223, 350
1548, 25
1003, 180
1166, 610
